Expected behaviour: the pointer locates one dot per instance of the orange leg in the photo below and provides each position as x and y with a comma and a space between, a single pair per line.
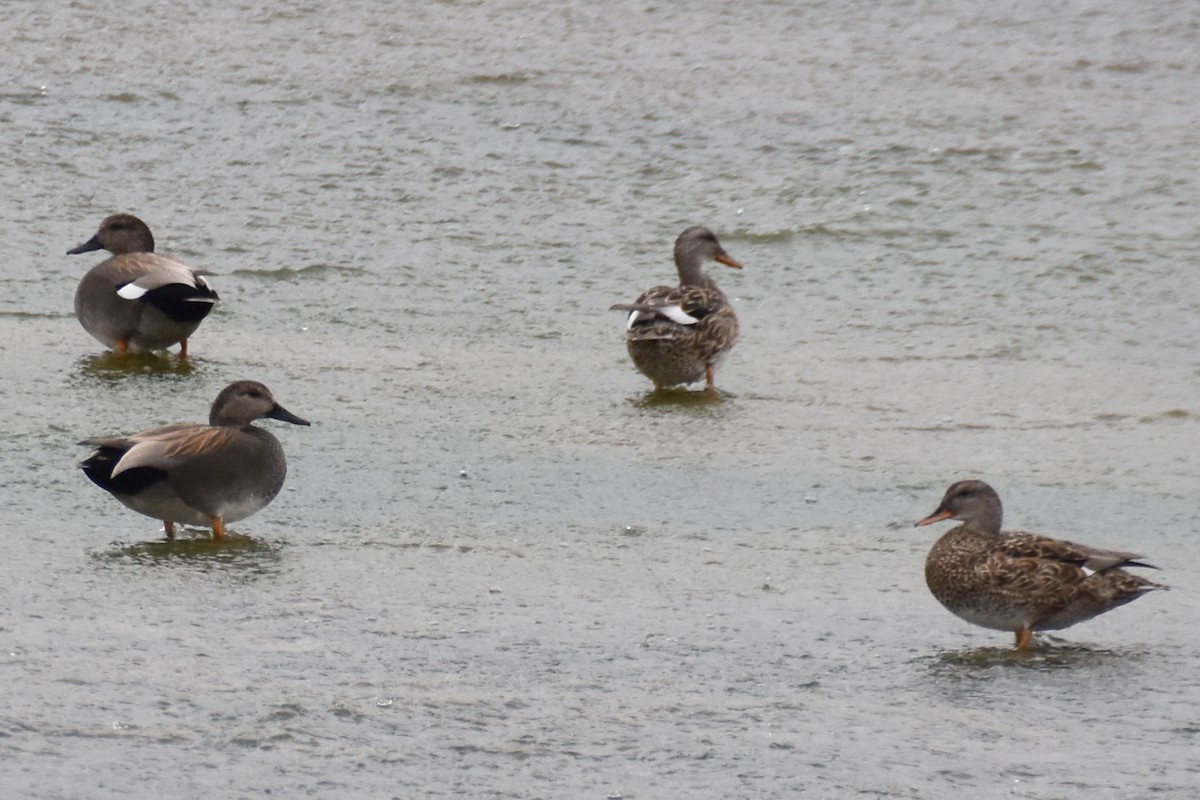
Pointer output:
218, 526
122, 346
711, 387
169, 527
183, 349
1024, 638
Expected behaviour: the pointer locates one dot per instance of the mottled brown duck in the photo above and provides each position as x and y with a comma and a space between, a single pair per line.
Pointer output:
1017, 581
678, 335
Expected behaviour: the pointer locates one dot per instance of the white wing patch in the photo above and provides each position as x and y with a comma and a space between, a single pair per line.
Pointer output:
131, 291
677, 314
674, 313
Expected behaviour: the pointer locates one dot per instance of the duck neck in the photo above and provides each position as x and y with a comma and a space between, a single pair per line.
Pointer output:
987, 516
691, 273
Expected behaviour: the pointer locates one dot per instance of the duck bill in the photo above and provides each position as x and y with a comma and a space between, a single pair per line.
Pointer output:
283, 415
87, 247
727, 261
936, 516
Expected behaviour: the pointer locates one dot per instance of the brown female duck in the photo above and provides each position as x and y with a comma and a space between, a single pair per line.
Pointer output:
1016, 581
678, 334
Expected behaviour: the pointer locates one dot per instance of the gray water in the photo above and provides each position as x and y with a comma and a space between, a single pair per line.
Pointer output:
502, 568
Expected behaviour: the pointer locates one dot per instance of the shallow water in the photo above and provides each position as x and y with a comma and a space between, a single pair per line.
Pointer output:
500, 567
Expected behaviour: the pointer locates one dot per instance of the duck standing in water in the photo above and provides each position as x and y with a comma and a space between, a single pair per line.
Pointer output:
198, 474
138, 300
678, 335
1016, 581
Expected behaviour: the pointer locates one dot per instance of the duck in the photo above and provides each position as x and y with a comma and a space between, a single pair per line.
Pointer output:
1018, 581
678, 334
137, 300
205, 475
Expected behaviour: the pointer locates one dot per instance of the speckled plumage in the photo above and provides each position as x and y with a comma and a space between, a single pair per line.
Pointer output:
138, 300
678, 335
1017, 581
198, 474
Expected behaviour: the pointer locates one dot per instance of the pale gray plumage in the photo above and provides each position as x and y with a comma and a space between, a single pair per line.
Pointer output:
198, 474
138, 300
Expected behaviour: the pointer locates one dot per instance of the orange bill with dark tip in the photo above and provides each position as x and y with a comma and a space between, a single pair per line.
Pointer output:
936, 516
729, 262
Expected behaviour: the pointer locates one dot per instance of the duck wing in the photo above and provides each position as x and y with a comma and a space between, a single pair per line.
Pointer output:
683, 305
1019, 544
166, 283
163, 448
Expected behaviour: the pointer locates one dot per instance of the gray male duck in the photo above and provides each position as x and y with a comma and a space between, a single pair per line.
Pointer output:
138, 300
1016, 581
203, 475
678, 335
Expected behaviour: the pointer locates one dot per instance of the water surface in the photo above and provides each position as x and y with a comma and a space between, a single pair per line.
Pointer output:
499, 568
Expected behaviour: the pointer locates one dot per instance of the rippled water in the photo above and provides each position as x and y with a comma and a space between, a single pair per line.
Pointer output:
500, 568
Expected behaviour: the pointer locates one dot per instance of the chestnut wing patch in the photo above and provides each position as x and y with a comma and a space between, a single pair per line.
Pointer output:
164, 448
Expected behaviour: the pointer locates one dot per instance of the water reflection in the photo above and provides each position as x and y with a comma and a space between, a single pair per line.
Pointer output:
1047, 653
110, 366
679, 398
248, 555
